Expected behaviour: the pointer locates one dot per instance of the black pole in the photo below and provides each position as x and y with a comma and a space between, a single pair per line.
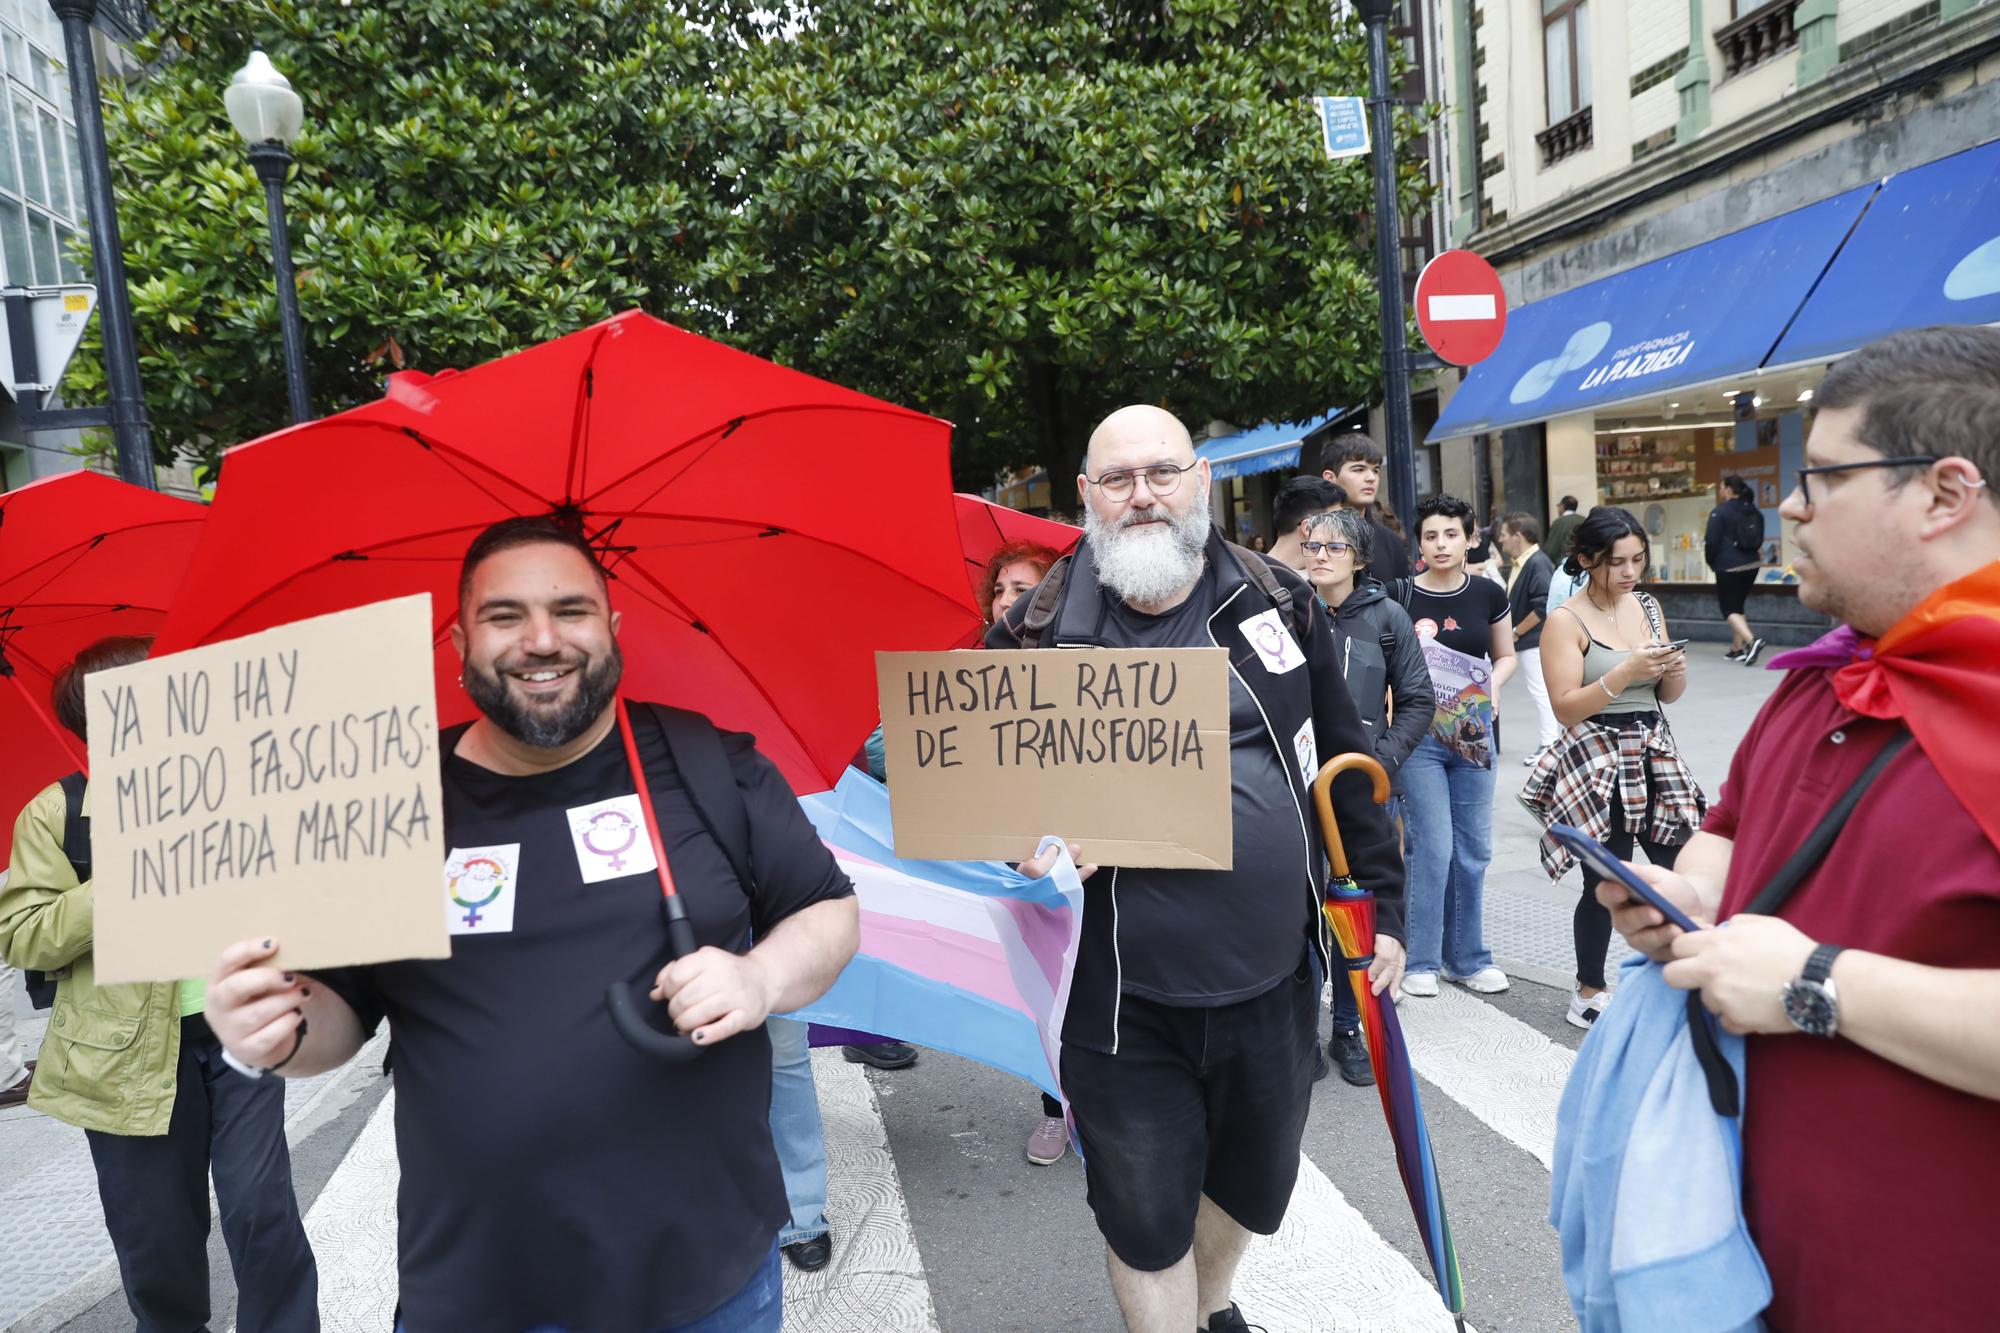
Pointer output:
272, 161
1400, 433
129, 431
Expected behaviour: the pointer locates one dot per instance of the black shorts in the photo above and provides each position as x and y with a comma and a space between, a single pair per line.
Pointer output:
1197, 1101
1732, 590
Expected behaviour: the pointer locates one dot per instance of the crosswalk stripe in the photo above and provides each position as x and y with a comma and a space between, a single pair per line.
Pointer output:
352, 1229
1328, 1271
876, 1279
1501, 1070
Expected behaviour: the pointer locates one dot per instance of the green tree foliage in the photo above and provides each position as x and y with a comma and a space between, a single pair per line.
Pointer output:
475, 176
1022, 213
1013, 213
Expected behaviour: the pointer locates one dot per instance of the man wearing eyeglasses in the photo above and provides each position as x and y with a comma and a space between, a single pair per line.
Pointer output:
1188, 1043
1872, 1098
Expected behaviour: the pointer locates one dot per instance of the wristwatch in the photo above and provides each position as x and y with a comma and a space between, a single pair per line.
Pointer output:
1810, 1000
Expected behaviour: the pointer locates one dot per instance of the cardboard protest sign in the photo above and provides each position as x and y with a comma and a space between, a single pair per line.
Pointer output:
1122, 751
284, 783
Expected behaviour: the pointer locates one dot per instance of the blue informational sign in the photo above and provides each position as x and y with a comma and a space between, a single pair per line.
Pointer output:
1343, 125
1706, 313
1926, 252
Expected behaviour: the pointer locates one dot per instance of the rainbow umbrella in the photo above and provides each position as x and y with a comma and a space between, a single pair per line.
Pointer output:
1350, 911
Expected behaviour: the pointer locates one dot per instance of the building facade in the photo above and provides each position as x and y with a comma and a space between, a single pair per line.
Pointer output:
1690, 203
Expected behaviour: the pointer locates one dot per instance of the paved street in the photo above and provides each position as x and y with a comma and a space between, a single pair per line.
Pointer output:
941, 1223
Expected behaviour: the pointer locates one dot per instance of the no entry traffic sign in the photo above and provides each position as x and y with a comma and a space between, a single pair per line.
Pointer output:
1461, 307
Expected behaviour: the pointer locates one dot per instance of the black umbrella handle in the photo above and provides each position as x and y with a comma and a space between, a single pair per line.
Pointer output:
636, 1017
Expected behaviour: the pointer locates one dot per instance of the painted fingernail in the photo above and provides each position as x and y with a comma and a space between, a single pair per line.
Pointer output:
288, 978
267, 944
303, 1021
305, 990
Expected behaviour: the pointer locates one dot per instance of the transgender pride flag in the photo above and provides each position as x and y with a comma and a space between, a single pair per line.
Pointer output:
961, 956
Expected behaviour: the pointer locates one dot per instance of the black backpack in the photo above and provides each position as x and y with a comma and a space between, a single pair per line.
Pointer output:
696, 746
76, 846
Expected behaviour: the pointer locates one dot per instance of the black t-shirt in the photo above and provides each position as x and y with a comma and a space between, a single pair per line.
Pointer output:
1388, 557
1212, 937
551, 1174
1462, 619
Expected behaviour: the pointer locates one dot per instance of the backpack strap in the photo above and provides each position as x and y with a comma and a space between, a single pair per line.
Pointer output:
76, 827
1043, 604
1258, 570
696, 746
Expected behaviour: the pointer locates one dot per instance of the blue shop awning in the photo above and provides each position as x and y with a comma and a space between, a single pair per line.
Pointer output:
1706, 313
1264, 449
1926, 252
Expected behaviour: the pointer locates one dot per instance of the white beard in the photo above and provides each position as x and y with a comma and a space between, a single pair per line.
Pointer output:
1145, 565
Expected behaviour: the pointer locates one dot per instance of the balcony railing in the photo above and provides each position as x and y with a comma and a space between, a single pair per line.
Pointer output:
1758, 36
1570, 135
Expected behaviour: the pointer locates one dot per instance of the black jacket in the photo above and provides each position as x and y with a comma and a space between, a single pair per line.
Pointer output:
1315, 694
1530, 595
1735, 537
1380, 655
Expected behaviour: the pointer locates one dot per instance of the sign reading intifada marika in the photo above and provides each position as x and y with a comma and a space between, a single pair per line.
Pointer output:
282, 784
1124, 751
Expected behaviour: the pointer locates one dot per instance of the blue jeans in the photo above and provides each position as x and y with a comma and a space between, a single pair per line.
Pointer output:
796, 1131
1449, 804
759, 1307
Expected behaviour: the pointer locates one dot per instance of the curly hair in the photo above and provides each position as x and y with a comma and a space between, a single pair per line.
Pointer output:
1034, 553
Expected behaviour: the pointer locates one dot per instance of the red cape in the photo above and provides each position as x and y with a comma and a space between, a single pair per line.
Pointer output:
1935, 669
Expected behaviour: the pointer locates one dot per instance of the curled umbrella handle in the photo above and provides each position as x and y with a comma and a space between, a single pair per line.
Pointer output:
633, 1012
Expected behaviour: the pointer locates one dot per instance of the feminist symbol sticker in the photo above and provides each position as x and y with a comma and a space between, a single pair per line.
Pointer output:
1276, 648
610, 838
479, 883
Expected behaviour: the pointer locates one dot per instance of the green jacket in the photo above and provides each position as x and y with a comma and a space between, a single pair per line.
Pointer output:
111, 1053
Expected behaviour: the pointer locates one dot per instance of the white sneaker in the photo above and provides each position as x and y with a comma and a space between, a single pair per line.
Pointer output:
1582, 1013
1486, 981
1423, 985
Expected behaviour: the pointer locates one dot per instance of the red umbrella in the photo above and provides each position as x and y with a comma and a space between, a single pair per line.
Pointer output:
766, 531
985, 527
82, 556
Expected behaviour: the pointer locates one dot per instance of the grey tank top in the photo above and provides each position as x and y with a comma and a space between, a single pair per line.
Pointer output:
1639, 697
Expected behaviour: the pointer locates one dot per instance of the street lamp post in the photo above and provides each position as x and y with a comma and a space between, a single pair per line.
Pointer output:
268, 114
129, 431
1400, 432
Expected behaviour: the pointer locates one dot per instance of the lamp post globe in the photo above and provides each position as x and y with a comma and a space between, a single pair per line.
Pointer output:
265, 110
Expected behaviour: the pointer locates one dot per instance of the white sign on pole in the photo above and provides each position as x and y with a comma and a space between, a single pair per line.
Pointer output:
1343, 125
57, 318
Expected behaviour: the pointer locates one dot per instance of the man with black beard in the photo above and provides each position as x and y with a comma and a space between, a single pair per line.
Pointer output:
1188, 1044
553, 1176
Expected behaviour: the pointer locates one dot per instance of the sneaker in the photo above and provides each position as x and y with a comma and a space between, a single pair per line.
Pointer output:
1486, 981
882, 1055
1049, 1142
1582, 1013
18, 1094
1423, 985
1750, 653
1350, 1053
1229, 1321
1733, 655
809, 1256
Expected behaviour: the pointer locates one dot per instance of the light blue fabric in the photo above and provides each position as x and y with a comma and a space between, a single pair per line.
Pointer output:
796, 1131
1562, 587
1647, 1184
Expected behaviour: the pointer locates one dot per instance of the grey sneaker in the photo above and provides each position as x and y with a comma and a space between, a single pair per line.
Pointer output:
1750, 653
1049, 1142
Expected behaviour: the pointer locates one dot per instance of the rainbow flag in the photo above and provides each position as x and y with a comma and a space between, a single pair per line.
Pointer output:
968, 957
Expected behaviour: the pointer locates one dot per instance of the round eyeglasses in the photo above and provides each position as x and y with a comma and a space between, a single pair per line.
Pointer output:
1161, 479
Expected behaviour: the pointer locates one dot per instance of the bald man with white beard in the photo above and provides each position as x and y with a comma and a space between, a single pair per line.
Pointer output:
1188, 1043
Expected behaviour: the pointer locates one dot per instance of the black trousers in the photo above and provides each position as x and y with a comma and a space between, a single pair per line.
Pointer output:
155, 1194
1591, 925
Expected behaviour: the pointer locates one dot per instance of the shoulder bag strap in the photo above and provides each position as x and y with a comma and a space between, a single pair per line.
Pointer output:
76, 826
711, 784
1723, 1093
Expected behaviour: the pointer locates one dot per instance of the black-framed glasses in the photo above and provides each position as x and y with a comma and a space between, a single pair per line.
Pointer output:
1831, 469
1331, 548
1161, 479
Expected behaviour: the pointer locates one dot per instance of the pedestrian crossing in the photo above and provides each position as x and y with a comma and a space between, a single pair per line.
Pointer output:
1330, 1269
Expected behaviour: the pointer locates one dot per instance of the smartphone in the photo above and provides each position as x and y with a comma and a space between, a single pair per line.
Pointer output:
1676, 643
1599, 858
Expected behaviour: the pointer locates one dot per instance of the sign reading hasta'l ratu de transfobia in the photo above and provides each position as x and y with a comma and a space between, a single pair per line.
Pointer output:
1122, 751
282, 784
